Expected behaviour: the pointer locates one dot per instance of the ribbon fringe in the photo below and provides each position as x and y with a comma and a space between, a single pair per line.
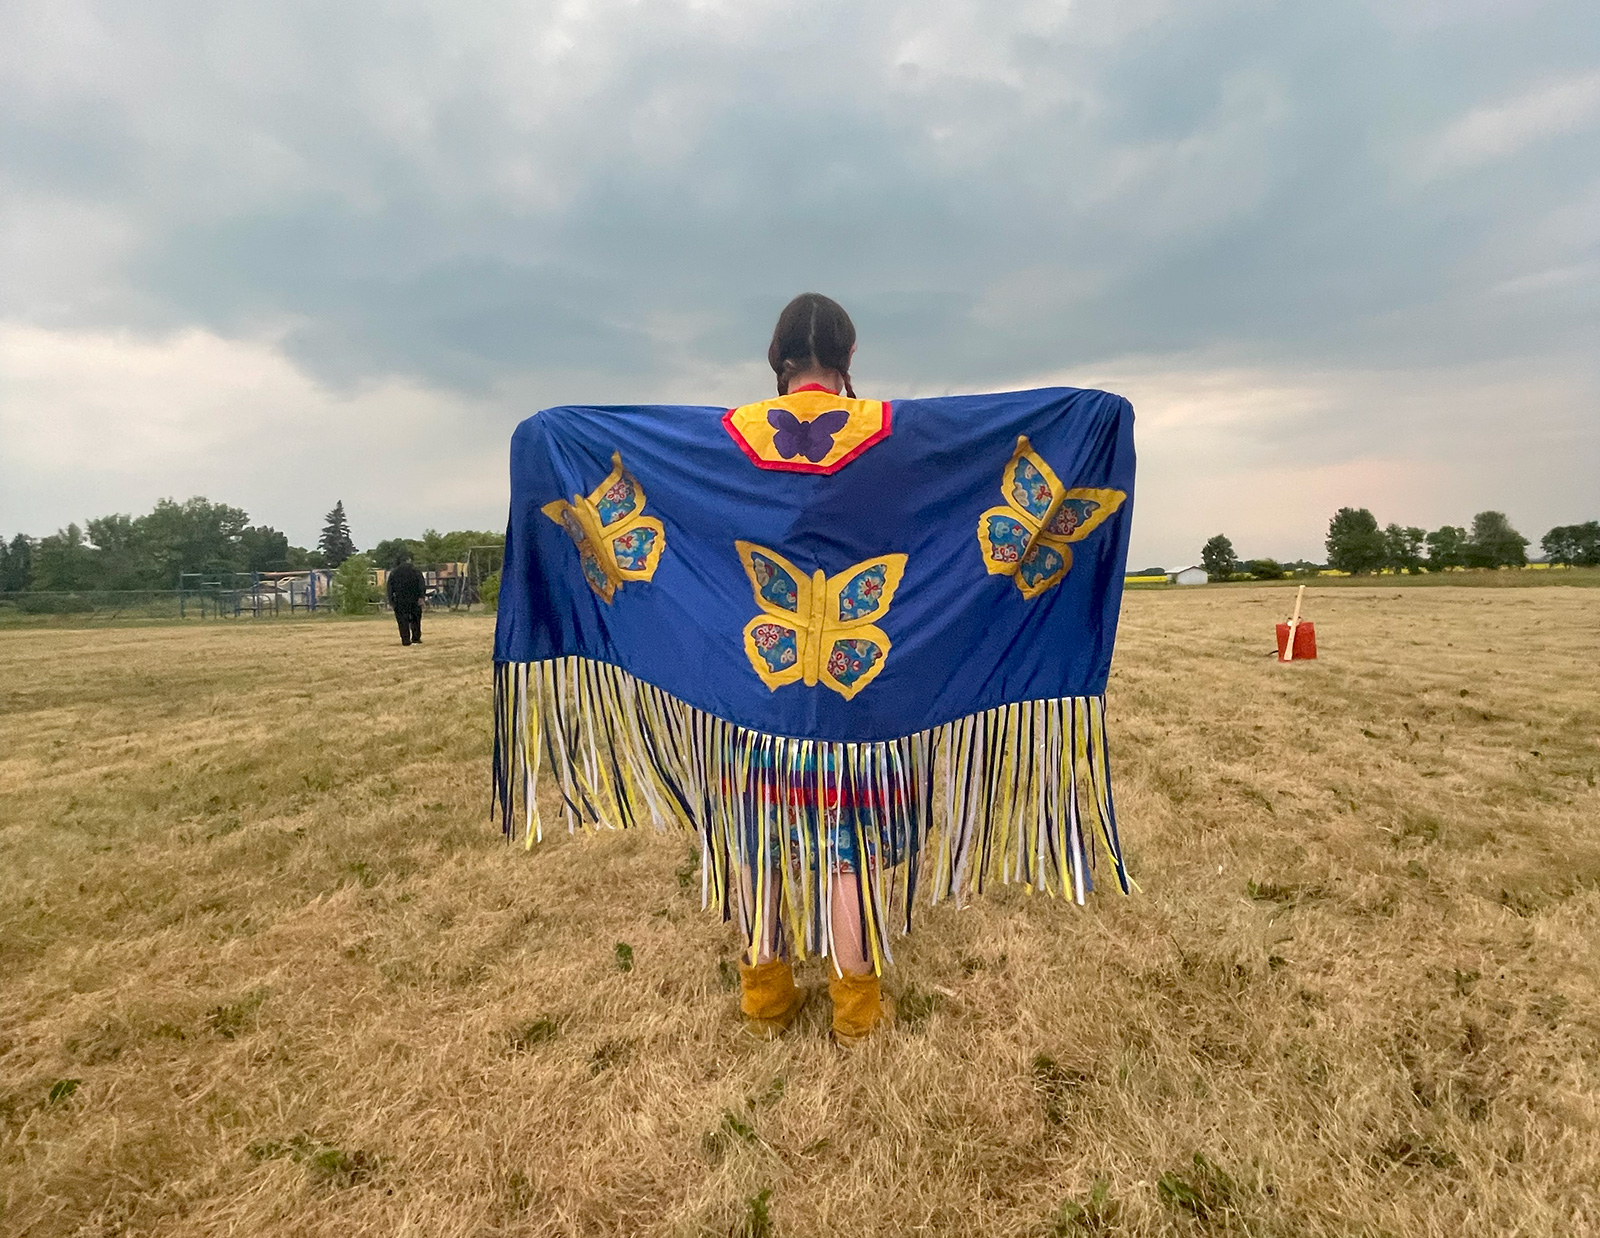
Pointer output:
1020, 793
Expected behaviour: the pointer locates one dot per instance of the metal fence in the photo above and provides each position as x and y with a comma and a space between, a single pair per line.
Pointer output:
198, 604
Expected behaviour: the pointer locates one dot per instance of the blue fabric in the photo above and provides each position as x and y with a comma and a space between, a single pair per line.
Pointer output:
963, 640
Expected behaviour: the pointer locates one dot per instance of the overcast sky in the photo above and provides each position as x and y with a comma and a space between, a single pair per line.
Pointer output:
284, 253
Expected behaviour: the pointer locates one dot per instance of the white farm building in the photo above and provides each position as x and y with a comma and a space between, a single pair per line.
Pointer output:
1190, 576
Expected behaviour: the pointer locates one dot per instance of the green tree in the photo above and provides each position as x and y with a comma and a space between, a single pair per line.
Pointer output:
353, 590
1447, 547
388, 553
1403, 548
1355, 543
436, 548
1558, 545
121, 561
1264, 569
263, 549
196, 535
1217, 557
335, 543
1573, 544
1586, 537
489, 591
1494, 543
16, 563
64, 562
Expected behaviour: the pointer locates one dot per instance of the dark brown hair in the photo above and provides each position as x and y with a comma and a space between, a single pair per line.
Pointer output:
813, 333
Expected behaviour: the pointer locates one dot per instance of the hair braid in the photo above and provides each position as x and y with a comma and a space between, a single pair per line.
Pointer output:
813, 332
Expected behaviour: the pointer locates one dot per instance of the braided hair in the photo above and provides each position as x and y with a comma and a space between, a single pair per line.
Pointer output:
813, 333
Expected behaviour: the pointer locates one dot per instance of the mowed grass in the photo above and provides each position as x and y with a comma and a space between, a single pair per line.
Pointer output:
265, 967
1532, 577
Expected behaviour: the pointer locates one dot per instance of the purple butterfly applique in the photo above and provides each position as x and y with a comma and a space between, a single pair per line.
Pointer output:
812, 439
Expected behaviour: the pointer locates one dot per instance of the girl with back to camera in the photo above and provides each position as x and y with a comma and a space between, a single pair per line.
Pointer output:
811, 350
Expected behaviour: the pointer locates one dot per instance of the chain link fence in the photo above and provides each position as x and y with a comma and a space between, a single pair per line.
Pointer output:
113, 604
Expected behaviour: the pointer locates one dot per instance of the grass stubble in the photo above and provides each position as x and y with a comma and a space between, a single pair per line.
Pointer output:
265, 968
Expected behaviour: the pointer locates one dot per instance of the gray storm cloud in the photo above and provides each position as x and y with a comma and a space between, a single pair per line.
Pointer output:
1335, 253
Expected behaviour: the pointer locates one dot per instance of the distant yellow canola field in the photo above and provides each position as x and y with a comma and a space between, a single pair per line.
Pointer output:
269, 970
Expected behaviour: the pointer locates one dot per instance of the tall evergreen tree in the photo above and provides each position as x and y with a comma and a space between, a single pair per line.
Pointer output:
335, 543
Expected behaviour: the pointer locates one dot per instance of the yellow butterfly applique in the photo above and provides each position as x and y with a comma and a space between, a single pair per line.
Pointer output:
1028, 538
818, 627
616, 541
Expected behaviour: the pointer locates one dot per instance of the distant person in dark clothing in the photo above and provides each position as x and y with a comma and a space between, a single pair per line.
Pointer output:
406, 589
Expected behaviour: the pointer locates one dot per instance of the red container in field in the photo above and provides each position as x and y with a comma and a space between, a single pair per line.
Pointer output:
1305, 641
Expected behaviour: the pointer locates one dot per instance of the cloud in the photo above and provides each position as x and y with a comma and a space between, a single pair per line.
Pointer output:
1261, 454
1267, 455
120, 421
1546, 111
1307, 235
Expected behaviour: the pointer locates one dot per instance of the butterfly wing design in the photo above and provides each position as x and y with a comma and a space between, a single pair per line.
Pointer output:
853, 649
1083, 510
812, 439
616, 541
633, 540
775, 640
1028, 538
1009, 534
786, 437
570, 517
818, 629
819, 432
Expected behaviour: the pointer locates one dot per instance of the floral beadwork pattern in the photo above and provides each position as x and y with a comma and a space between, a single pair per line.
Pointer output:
1072, 515
633, 548
1029, 538
1029, 489
863, 594
774, 583
621, 498
1043, 562
778, 646
849, 660
816, 628
616, 542
1008, 538
594, 573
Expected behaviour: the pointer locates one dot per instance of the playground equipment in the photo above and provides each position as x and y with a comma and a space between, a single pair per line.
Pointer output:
454, 586
234, 594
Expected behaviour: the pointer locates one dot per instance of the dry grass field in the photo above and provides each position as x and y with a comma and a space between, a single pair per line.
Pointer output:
266, 969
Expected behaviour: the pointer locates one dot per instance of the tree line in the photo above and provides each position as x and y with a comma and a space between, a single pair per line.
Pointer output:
154, 551
1356, 544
